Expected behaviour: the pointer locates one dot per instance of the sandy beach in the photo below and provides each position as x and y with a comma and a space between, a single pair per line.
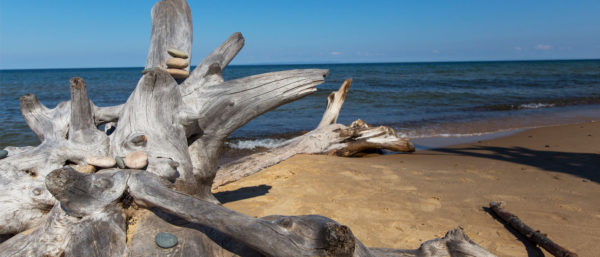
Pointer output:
548, 176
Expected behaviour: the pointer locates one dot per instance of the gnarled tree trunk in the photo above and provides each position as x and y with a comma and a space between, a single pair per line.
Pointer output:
49, 207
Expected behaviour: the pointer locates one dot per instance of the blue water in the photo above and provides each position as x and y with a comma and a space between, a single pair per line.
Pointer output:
417, 99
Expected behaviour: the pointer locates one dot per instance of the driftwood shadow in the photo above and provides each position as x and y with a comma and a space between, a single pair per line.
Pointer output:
205, 233
584, 165
242, 193
531, 248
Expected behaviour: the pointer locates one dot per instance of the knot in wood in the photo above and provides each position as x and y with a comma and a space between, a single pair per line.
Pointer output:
77, 83
339, 240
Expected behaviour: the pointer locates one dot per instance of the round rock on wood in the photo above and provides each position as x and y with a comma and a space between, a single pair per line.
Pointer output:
85, 168
177, 63
178, 74
165, 240
136, 160
101, 161
120, 162
3, 154
177, 53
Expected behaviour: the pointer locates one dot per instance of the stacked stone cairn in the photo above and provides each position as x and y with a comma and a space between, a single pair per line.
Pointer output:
177, 64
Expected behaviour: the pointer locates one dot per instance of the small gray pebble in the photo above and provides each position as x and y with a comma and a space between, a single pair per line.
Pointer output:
165, 240
120, 162
3, 154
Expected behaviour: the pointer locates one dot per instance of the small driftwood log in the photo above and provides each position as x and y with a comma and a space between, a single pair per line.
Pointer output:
48, 207
534, 236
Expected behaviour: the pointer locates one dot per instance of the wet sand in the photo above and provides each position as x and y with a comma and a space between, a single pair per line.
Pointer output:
549, 177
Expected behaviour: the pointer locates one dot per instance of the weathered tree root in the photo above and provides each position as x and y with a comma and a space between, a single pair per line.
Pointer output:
47, 208
89, 213
534, 236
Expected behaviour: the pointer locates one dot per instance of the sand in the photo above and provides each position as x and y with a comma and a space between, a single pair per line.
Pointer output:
549, 177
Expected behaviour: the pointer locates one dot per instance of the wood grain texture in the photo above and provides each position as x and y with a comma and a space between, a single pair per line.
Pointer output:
52, 124
275, 236
54, 210
335, 100
86, 222
209, 71
214, 112
24, 197
327, 138
171, 28
152, 111
193, 238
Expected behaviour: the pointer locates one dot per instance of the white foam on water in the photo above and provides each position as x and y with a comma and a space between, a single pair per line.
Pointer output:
414, 134
254, 143
535, 106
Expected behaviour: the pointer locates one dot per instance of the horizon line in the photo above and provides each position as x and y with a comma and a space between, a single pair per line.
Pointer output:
325, 63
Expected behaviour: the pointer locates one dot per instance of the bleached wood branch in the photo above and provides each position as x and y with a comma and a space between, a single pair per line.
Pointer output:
23, 196
328, 138
171, 28
335, 100
216, 111
58, 211
47, 124
209, 71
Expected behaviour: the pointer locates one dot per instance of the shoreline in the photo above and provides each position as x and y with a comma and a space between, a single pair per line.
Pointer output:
547, 176
446, 135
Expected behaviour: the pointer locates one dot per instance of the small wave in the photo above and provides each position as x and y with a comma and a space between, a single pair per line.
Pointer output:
257, 143
540, 104
535, 106
512, 107
454, 134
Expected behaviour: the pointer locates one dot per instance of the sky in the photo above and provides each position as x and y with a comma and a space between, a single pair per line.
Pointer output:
116, 33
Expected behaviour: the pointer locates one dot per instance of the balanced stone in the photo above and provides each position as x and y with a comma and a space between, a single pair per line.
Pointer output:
84, 168
178, 74
120, 162
101, 161
136, 160
3, 154
177, 53
177, 63
165, 240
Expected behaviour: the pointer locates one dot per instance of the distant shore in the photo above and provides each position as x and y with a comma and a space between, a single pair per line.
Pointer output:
547, 176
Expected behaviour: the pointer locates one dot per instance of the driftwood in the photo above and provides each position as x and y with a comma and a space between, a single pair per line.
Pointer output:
328, 138
533, 235
50, 208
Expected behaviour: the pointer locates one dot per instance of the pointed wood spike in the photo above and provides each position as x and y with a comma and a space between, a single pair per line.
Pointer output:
171, 29
335, 100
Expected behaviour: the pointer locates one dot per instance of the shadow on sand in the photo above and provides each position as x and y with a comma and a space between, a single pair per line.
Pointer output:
584, 165
242, 193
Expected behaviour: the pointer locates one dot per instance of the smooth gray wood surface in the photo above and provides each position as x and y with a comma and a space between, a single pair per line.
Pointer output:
48, 208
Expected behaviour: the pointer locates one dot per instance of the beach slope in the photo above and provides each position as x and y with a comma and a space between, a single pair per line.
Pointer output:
549, 177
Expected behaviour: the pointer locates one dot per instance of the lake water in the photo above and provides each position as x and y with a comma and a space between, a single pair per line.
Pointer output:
417, 99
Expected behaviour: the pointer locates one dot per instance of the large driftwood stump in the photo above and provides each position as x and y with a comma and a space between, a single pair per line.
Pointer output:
53, 204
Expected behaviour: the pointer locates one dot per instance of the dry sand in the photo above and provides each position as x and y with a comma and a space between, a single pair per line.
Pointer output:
549, 177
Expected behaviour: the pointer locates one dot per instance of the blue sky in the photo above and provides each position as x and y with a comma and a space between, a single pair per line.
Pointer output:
111, 33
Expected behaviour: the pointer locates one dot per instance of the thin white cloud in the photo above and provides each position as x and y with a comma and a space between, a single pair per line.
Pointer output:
336, 53
435, 51
543, 47
518, 48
